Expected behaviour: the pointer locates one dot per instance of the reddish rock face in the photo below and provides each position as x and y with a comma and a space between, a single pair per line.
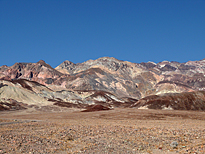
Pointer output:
39, 72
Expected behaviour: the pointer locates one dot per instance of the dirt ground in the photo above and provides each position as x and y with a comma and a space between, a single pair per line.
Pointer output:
114, 131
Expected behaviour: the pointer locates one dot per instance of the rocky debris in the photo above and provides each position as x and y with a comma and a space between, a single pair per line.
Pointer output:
173, 101
102, 136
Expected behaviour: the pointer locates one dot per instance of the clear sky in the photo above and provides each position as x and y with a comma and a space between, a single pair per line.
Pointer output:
79, 30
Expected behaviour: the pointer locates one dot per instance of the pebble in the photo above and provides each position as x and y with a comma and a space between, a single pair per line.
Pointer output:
174, 144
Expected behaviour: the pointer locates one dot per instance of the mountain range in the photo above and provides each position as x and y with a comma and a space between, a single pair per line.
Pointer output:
103, 83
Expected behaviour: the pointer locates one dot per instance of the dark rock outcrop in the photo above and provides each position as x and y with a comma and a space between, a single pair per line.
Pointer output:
11, 105
92, 108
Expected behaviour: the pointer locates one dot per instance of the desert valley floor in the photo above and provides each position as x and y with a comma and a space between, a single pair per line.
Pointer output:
114, 131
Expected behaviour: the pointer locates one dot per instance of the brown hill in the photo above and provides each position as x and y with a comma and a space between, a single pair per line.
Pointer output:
173, 101
92, 108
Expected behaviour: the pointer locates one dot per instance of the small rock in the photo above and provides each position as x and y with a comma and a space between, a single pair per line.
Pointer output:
174, 144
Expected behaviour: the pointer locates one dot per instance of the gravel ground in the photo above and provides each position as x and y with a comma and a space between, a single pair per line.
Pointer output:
120, 131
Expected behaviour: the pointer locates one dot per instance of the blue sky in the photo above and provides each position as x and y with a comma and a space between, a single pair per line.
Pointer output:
79, 30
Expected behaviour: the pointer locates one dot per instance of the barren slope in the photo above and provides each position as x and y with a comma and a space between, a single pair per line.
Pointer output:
105, 81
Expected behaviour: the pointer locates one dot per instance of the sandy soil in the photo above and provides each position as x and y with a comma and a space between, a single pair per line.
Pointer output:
113, 131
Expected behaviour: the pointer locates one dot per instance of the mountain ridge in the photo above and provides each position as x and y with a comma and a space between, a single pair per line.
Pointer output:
123, 79
122, 74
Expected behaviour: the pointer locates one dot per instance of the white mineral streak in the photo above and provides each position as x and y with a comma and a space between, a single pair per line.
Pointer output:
143, 107
167, 108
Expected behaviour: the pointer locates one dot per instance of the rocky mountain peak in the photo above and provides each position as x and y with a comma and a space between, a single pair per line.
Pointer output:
41, 62
110, 63
103, 60
66, 67
108, 59
66, 63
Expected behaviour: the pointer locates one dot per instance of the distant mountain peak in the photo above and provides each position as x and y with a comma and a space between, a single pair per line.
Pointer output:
66, 63
66, 67
108, 58
41, 62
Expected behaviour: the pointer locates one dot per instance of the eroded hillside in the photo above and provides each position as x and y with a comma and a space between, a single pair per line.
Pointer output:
104, 81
